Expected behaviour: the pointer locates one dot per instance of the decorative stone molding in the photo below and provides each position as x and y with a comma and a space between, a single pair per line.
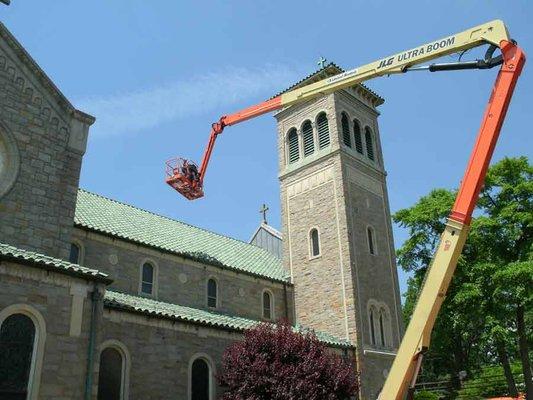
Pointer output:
310, 182
42, 93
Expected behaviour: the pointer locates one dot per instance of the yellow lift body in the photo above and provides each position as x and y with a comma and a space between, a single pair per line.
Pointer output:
402, 376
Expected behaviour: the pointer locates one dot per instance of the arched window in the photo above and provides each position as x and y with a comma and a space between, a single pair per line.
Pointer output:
110, 375
372, 327
357, 136
75, 253
309, 141
268, 306
323, 130
314, 239
147, 278
17, 340
114, 369
345, 126
382, 327
200, 380
22, 341
293, 145
371, 241
212, 293
369, 143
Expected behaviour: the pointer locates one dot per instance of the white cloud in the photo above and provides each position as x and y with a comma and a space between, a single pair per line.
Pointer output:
138, 110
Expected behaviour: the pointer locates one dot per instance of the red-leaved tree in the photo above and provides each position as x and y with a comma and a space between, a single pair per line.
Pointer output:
274, 362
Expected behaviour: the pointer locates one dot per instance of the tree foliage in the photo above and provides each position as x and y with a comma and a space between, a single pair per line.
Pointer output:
274, 362
484, 318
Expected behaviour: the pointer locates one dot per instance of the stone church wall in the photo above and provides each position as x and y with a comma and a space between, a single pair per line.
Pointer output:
161, 352
44, 158
180, 281
49, 295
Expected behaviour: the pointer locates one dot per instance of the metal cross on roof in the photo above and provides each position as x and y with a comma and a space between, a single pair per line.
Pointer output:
263, 211
322, 62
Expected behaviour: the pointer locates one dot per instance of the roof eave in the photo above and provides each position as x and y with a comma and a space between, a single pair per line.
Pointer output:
97, 277
117, 306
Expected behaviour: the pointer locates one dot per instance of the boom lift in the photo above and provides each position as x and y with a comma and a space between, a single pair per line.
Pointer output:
183, 175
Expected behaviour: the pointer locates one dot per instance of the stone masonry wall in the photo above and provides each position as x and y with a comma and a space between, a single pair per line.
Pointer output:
180, 281
65, 356
161, 352
37, 212
341, 192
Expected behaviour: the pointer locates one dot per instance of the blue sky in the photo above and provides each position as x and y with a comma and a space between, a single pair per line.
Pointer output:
156, 74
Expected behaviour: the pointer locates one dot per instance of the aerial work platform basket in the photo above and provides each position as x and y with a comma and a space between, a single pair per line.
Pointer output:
183, 176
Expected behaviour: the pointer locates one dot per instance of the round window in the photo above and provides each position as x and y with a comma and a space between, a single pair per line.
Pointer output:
9, 161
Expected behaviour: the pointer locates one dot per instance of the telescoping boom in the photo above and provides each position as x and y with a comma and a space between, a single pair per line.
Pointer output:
188, 180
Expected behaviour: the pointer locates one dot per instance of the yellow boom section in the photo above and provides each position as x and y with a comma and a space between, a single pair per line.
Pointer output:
490, 33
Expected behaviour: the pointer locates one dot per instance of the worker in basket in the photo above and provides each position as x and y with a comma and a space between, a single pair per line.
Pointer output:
190, 171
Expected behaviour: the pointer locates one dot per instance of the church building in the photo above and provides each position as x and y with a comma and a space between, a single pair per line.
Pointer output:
103, 300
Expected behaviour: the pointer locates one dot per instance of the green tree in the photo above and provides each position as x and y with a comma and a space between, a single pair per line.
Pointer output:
513, 287
486, 307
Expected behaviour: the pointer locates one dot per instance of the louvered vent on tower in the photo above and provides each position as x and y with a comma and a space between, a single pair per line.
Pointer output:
345, 125
309, 142
323, 130
369, 144
357, 136
294, 148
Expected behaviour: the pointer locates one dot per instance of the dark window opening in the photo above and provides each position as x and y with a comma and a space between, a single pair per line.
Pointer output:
211, 293
370, 235
75, 251
200, 380
372, 331
381, 329
147, 283
315, 243
267, 305
17, 337
110, 375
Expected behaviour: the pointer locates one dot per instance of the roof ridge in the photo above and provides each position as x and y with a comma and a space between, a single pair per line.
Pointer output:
164, 217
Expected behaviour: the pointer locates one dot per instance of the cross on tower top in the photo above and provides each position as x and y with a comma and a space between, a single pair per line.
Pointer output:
322, 62
263, 211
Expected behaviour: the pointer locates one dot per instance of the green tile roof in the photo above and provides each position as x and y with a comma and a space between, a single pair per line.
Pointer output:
120, 220
195, 316
14, 254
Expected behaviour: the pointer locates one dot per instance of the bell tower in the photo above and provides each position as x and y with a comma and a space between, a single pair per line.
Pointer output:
338, 244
